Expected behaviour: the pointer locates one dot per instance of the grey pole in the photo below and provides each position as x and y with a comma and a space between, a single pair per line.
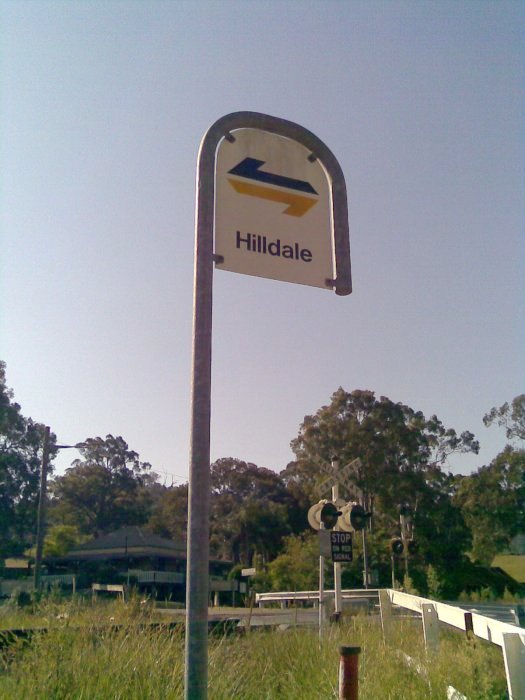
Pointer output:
41, 515
338, 594
197, 574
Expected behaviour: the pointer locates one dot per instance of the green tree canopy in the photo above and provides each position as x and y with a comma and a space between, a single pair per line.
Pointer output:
21, 442
401, 454
297, 567
251, 510
60, 539
169, 516
395, 445
104, 490
512, 417
492, 500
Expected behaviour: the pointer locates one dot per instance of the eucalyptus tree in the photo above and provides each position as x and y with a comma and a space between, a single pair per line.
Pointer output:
251, 511
399, 450
401, 457
104, 490
169, 517
511, 416
492, 500
21, 443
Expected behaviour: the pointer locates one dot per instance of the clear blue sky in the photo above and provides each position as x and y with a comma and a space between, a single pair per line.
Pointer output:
103, 108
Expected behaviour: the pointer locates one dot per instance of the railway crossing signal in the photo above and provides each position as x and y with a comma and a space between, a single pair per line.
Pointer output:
357, 517
329, 515
397, 546
348, 517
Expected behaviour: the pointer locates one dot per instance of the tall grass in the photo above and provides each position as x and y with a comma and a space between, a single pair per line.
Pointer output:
143, 663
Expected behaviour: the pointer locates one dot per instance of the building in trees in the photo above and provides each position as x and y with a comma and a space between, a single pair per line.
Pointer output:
133, 554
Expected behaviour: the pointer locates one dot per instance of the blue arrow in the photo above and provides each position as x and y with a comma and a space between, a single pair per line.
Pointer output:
249, 168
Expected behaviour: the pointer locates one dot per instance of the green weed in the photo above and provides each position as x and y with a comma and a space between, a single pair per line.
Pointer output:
78, 660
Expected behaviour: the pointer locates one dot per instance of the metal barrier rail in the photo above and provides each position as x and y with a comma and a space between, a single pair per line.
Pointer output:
154, 576
261, 599
509, 637
65, 579
504, 612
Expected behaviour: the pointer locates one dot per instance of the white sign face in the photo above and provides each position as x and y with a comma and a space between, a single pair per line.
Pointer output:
273, 210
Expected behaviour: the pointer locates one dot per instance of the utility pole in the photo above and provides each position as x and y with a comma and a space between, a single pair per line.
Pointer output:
41, 510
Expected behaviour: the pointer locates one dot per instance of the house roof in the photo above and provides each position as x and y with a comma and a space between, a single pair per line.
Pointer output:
128, 541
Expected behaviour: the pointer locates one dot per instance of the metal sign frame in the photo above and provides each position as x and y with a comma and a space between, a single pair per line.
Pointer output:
196, 652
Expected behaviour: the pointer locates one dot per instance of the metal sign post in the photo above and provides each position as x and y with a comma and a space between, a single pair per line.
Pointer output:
321, 591
365, 560
196, 651
252, 170
338, 595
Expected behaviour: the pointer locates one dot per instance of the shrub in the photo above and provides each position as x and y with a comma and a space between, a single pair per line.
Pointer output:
23, 599
433, 582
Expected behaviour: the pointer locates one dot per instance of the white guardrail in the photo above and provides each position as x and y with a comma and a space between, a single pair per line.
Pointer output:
510, 638
262, 599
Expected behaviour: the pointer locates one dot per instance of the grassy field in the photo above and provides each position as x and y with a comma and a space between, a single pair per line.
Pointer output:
75, 659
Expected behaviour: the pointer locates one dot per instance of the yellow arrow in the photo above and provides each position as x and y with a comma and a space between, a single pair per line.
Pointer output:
298, 204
